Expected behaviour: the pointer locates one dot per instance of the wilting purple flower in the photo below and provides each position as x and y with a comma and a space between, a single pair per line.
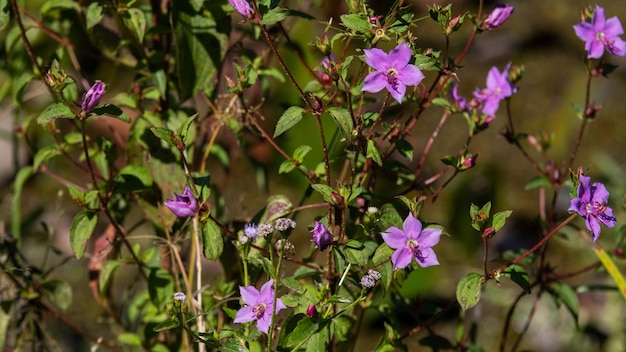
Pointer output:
412, 242
592, 205
498, 16
393, 71
258, 306
498, 88
242, 7
91, 98
601, 34
184, 205
321, 236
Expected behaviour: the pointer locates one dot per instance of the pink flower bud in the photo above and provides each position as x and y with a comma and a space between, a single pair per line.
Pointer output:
242, 7
311, 311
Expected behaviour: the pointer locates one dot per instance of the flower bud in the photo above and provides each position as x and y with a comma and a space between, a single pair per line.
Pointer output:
242, 7
311, 311
91, 99
321, 236
498, 16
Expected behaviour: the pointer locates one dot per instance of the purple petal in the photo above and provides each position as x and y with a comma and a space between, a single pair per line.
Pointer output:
429, 258
374, 82
398, 92
410, 75
585, 31
267, 292
618, 47
599, 193
377, 59
584, 189
577, 206
400, 56
394, 237
401, 258
613, 28
263, 324
429, 237
595, 49
593, 225
598, 20
245, 315
412, 227
280, 305
250, 295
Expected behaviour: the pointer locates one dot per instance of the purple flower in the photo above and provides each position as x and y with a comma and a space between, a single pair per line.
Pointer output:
258, 306
592, 205
242, 7
412, 242
457, 100
601, 34
91, 98
183, 205
498, 88
321, 236
180, 296
250, 230
393, 71
498, 16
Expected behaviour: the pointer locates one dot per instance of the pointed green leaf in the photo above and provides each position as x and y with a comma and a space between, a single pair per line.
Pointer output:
344, 122
290, 118
106, 274
82, 228
113, 111
325, 191
55, 111
518, 275
135, 20
212, 241
565, 294
356, 22
468, 290
372, 152
59, 292
499, 219
166, 325
94, 15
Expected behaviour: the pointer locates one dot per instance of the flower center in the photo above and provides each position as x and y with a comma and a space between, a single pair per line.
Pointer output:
259, 310
392, 78
414, 246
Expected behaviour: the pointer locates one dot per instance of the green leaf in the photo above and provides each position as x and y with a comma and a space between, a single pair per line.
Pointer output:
563, 293
274, 15
212, 241
325, 191
277, 207
45, 154
94, 15
305, 327
4, 15
106, 275
344, 121
129, 339
441, 102
356, 22
290, 118
499, 219
135, 20
160, 286
184, 128
113, 111
268, 267
372, 152
537, 182
358, 253
286, 167
59, 292
468, 290
518, 275
82, 228
234, 345
50, 5
405, 148
167, 135
201, 43
55, 111
301, 152
166, 325
133, 177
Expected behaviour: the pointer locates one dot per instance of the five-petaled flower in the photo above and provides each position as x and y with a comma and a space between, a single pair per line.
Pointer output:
91, 99
259, 306
498, 88
242, 7
321, 236
184, 205
498, 16
412, 242
591, 204
601, 34
392, 71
